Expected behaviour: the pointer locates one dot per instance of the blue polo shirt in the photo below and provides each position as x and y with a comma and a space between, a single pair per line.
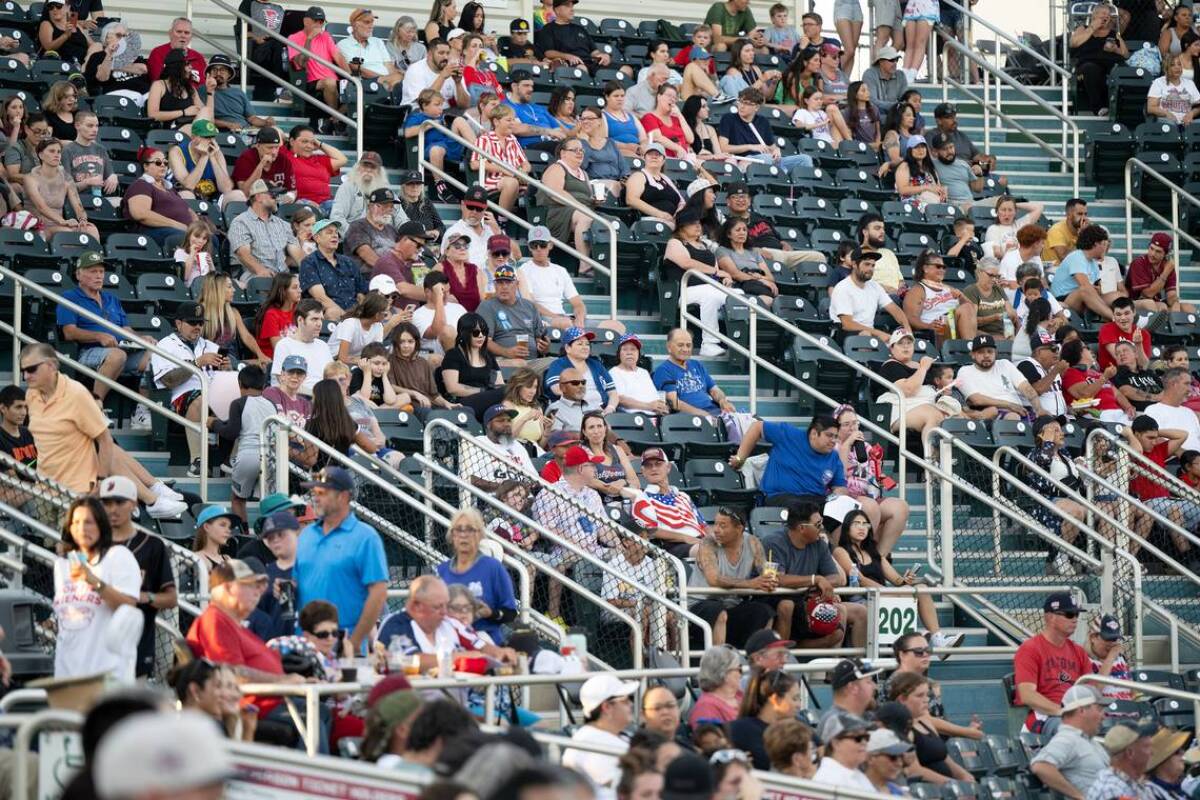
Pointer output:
109, 307
794, 467
338, 566
342, 281
691, 383
532, 114
1076, 263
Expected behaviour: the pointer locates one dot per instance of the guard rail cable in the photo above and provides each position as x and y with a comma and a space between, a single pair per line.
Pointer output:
20, 283
274, 477
243, 36
609, 224
1069, 128
1177, 192
1144, 688
679, 609
944, 545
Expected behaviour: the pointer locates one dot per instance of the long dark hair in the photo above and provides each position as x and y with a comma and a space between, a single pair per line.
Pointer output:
735, 50
710, 222
330, 421
922, 167
868, 546
178, 78
466, 20
852, 103
726, 227
93, 505
922, 259
394, 339
762, 687
467, 323
892, 121
558, 97
1039, 311
792, 85
691, 111
276, 297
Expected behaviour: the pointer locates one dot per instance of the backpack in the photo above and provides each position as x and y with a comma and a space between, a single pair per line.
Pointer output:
669, 31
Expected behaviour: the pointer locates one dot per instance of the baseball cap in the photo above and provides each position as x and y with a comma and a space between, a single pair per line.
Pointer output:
629, 338
267, 135
1045, 339
1047, 419
174, 55
849, 670
698, 53
518, 26
886, 742
688, 777
939, 140
323, 224
1106, 626
982, 341
945, 110
476, 197
412, 230
899, 335
560, 438
1162, 240
539, 233
220, 60
764, 639
334, 478
655, 147
841, 723
204, 128
687, 216
383, 195
213, 512
654, 454
1060, 602
868, 255
315, 12
277, 501
90, 258
249, 570
499, 244
887, 53
294, 363
574, 332
1122, 735
496, 411
599, 688
699, 185
577, 457
504, 272
737, 187
412, 176
558, 3
279, 521
829, 48
258, 187
190, 311
160, 751
1078, 697
384, 284
454, 34
118, 487
914, 141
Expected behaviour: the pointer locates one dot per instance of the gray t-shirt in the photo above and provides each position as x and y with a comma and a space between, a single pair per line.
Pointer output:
269, 14
744, 259
362, 232
85, 161
815, 559
1077, 757
254, 414
232, 105
21, 153
505, 321
957, 179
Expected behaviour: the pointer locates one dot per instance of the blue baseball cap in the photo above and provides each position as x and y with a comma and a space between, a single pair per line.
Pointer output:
295, 364
575, 332
334, 478
497, 411
699, 53
629, 338
279, 521
213, 512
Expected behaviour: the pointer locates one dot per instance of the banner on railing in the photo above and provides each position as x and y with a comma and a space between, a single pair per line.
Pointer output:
272, 773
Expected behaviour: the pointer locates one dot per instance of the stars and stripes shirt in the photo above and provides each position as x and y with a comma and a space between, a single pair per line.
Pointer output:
507, 151
671, 510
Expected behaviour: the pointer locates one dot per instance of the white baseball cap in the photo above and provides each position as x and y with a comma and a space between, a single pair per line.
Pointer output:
160, 751
384, 284
119, 487
598, 688
1078, 697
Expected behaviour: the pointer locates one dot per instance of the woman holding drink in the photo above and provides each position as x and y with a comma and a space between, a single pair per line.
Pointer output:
730, 559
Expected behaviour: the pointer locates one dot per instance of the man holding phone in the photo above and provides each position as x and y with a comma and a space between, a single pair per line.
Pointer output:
477, 224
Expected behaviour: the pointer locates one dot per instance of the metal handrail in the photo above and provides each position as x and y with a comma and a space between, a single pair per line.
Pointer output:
20, 283
751, 352
1055, 68
244, 28
1144, 688
565, 199
1177, 192
989, 71
1176, 485
27, 725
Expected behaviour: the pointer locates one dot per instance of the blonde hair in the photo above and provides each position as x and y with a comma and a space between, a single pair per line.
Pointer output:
219, 314
52, 103
500, 111
469, 515
335, 368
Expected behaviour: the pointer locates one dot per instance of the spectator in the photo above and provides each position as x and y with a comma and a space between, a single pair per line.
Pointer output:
620, 123
59, 32
264, 162
317, 641
1152, 281
330, 278
502, 145
986, 309
99, 349
263, 50
886, 753
87, 162
1140, 384
671, 518
417, 207
117, 66
933, 764
521, 394
486, 579
177, 754
1043, 368
921, 410
946, 116
152, 203
276, 317
1048, 664
424, 628
313, 164
1077, 280
470, 372
231, 107
642, 97
782, 37
179, 37
435, 72
698, 80
916, 176
688, 387
319, 80
602, 159
614, 471
992, 383
519, 50
173, 100
476, 74
862, 115
285, 394
1157, 445
21, 156
370, 236
547, 285
351, 202
742, 72
488, 472
1031, 239
834, 82
884, 79
746, 267
1062, 236
199, 167
729, 21
392, 274
899, 125
93, 579
535, 128
771, 696
747, 135
1095, 49
261, 242
1170, 40
437, 320
478, 225
1129, 749
211, 690
564, 42
566, 176
441, 150
1001, 235
597, 390
789, 747
195, 253
872, 236
961, 179
520, 331
633, 383
1106, 648
48, 191
214, 530
685, 251
467, 282
1175, 355
1171, 95
1166, 767
720, 691
845, 737
304, 343
608, 710
376, 62
856, 300
650, 191
12, 118
731, 559
573, 403
1082, 383
761, 235
16, 441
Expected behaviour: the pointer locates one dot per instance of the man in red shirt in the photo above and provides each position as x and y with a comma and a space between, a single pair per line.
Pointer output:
1152, 280
1049, 664
313, 164
264, 162
1123, 327
179, 38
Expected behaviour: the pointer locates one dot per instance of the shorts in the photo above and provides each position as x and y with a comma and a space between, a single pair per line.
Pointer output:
1189, 512
848, 9
93, 357
180, 404
244, 480
887, 13
742, 620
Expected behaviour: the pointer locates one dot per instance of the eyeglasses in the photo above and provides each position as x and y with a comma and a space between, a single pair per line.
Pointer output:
573, 383
1067, 614
32, 368
325, 634
461, 608
919, 652
991, 274
572, 149
158, 162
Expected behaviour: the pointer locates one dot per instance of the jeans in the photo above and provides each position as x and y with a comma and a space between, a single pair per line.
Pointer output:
786, 163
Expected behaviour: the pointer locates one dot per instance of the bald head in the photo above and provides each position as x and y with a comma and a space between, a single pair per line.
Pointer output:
571, 383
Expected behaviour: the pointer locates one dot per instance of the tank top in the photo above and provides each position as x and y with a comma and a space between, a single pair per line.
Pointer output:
173, 102
663, 195
699, 253
206, 187
937, 304
873, 571
623, 131
608, 473
931, 752
741, 570
467, 292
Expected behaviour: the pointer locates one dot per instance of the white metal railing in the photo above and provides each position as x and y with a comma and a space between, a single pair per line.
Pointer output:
21, 284
1177, 192
1144, 688
528, 180
1069, 157
1057, 71
245, 62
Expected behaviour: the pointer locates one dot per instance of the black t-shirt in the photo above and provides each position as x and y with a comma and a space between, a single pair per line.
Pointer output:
570, 38
356, 383
970, 255
1144, 22
62, 129
21, 447
157, 575
1142, 380
761, 233
511, 50
276, 611
469, 375
116, 78
894, 371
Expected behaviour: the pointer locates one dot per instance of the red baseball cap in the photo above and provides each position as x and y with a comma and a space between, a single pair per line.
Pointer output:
577, 457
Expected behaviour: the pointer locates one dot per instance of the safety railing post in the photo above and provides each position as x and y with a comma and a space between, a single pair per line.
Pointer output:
1129, 211
753, 367
18, 324
946, 463
1175, 224
245, 37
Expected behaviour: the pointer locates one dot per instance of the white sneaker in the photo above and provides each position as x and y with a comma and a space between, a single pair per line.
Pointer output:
140, 421
162, 490
940, 641
166, 508
711, 351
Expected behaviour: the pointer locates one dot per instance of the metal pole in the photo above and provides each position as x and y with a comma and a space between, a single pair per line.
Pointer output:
945, 459
312, 719
18, 323
1129, 211
750, 362
987, 114
245, 51
1174, 223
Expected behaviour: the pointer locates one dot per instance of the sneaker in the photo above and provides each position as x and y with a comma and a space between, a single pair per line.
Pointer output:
1061, 565
442, 193
723, 98
941, 641
711, 351
163, 490
560, 622
140, 421
194, 469
166, 508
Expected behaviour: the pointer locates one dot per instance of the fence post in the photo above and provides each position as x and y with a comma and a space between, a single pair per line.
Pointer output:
945, 462
750, 361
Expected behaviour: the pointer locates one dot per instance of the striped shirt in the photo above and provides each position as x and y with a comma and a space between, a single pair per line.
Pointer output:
506, 151
268, 240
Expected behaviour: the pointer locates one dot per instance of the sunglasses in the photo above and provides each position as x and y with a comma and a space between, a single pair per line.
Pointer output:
919, 652
538, 245
158, 162
325, 634
503, 253
861, 738
460, 243
479, 333
1067, 614
32, 368
935, 265
573, 383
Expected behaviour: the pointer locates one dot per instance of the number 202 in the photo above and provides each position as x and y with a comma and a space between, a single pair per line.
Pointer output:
897, 620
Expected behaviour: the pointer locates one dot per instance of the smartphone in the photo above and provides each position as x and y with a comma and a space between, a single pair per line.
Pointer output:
411, 307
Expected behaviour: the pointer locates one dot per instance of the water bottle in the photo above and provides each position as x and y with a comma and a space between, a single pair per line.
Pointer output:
445, 662
854, 577
1009, 330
